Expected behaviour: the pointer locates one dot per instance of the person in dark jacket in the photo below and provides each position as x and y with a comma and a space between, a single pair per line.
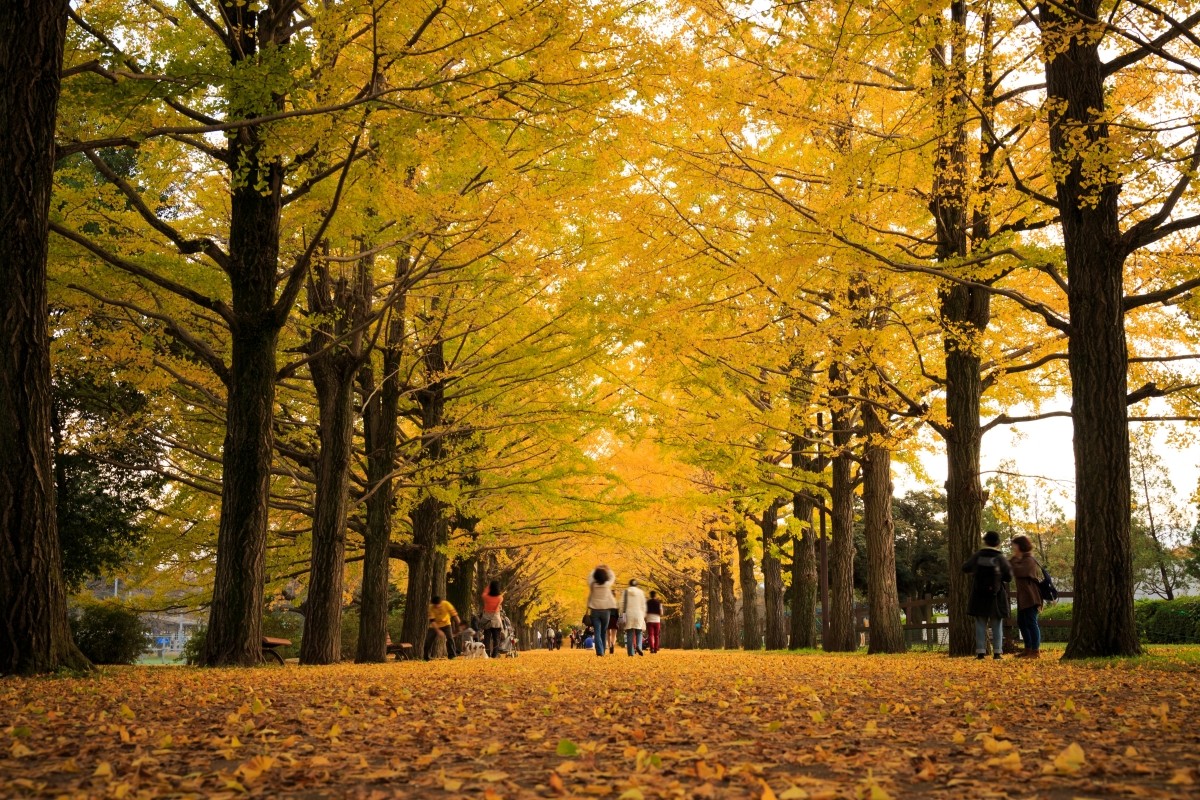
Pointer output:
989, 594
1028, 574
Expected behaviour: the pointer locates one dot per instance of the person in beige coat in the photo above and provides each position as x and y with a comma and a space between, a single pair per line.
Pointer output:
633, 611
1028, 574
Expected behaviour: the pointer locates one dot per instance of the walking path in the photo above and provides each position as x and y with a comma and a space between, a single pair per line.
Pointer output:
569, 724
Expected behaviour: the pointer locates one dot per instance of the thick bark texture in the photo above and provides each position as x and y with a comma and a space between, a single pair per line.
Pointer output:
380, 425
804, 577
1103, 620
841, 547
34, 633
235, 618
776, 633
336, 356
965, 313
804, 553
687, 615
886, 635
430, 524
750, 639
729, 620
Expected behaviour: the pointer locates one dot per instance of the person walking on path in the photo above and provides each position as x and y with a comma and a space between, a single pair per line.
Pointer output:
633, 609
601, 603
443, 619
1028, 574
493, 625
654, 612
989, 594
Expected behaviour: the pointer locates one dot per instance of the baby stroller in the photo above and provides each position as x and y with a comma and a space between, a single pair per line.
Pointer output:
507, 648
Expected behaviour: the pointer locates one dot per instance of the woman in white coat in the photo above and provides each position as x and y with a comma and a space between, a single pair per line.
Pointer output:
633, 609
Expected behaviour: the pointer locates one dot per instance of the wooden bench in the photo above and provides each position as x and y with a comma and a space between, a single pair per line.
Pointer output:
403, 651
270, 648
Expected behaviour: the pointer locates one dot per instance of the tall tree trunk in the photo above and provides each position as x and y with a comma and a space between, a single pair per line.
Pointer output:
749, 586
340, 306
430, 523
380, 425
886, 635
841, 536
687, 614
728, 609
776, 633
235, 618
804, 575
460, 586
1103, 620
34, 633
965, 313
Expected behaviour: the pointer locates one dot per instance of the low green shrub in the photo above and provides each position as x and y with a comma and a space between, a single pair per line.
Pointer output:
1158, 621
110, 633
194, 646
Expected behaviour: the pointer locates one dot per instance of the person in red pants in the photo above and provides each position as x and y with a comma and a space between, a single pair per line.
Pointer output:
653, 621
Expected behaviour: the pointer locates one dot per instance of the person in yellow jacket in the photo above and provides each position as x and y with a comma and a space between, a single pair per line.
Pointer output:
443, 620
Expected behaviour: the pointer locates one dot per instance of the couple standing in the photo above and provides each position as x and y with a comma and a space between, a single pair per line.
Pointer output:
637, 613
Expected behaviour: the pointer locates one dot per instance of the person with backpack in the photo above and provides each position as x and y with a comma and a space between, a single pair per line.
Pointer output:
988, 603
1028, 574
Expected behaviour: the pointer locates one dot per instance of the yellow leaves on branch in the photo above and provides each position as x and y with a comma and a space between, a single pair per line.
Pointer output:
699, 724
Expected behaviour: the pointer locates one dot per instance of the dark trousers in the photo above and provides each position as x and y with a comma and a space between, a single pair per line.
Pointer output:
600, 618
1027, 623
431, 637
491, 641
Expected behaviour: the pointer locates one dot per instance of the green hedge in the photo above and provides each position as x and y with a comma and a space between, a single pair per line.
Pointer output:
109, 633
1158, 621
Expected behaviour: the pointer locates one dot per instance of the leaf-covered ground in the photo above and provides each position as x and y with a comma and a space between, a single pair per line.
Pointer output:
569, 724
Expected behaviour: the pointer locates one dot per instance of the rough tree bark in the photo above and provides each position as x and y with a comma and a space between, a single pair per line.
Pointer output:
1103, 620
235, 618
965, 312
381, 414
841, 536
687, 614
336, 355
804, 577
886, 635
430, 524
804, 554
34, 632
776, 633
749, 586
728, 616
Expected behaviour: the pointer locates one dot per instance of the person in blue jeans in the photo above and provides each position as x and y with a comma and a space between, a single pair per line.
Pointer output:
601, 603
988, 603
1028, 574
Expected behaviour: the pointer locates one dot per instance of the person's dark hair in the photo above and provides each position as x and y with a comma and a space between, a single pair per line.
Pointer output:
437, 598
600, 575
1023, 543
494, 588
633, 581
991, 538
653, 593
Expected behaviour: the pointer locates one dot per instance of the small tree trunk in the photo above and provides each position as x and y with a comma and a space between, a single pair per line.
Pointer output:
728, 609
749, 587
886, 636
34, 632
776, 621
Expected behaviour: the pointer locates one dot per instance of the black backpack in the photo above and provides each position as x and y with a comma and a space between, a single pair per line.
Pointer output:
1047, 588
